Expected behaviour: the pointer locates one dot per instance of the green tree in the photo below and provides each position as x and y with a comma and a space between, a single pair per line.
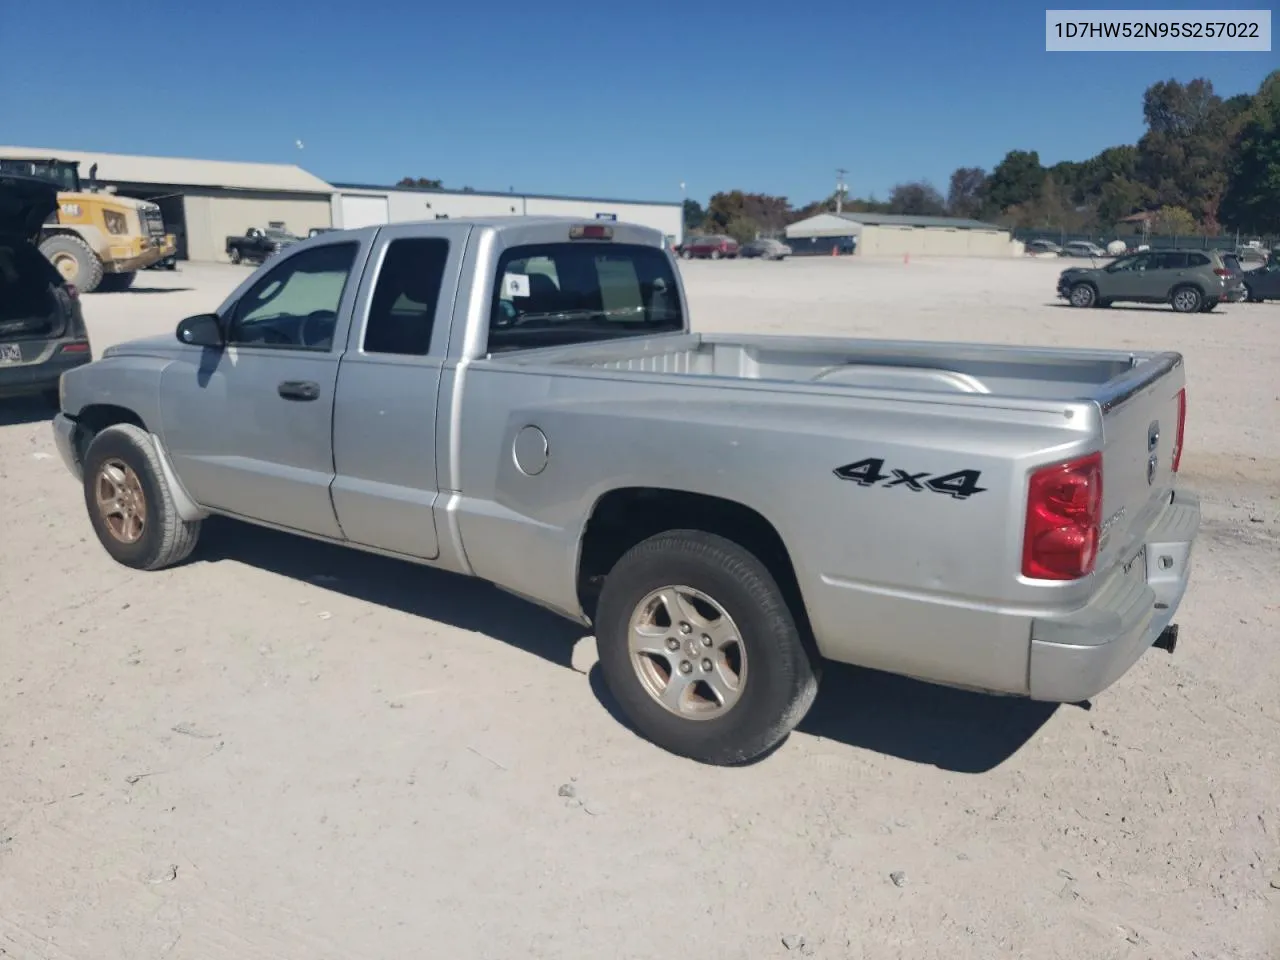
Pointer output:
917, 198
1016, 180
965, 195
422, 182
1252, 199
1173, 221
693, 214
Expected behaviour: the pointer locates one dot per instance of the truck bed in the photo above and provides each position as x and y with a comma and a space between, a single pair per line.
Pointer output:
1036, 374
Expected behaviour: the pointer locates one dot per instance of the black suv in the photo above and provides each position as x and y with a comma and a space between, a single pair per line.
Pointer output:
42, 331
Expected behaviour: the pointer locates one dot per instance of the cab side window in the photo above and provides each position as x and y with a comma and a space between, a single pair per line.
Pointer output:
295, 305
405, 297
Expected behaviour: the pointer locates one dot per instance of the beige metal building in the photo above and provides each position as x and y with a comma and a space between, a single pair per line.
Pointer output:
205, 201
896, 235
355, 205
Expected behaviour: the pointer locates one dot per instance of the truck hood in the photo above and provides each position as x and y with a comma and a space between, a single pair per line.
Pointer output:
162, 345
25, 204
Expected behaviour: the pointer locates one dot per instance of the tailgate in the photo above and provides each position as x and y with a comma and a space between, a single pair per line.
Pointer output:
1143, 416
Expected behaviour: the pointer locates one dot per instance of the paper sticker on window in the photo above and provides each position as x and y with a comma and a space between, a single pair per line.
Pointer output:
515, 285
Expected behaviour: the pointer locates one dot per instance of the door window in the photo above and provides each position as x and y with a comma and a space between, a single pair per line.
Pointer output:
1170, 260
1134, 264
404, 301
295, 306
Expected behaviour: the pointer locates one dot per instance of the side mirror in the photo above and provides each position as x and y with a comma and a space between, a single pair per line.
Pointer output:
202, 330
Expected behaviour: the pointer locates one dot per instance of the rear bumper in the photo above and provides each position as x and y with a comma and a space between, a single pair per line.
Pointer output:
41, 374
1077, 656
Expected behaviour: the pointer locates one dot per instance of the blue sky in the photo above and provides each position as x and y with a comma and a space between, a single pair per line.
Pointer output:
589, 98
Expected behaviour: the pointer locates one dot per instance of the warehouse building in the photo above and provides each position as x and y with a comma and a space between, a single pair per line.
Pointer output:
356, 205
896, 235
205, 201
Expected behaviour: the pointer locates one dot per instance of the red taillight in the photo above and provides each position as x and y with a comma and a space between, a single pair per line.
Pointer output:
76, 346
72, 290
1064, 513
590, 232
1182, 426
1222, 272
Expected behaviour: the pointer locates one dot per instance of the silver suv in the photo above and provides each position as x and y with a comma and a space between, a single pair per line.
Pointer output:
1191, 281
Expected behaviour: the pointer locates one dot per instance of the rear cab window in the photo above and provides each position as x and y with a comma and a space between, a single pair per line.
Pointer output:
556, 294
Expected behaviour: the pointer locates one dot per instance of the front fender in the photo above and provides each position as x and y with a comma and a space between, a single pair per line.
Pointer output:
129, 383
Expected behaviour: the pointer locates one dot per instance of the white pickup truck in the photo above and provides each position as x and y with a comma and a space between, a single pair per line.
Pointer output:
522, 400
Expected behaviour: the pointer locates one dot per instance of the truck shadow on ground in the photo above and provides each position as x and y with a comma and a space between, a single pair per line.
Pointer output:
20, 410
919, 722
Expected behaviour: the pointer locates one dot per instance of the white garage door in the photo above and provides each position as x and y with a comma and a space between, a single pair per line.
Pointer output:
360, 211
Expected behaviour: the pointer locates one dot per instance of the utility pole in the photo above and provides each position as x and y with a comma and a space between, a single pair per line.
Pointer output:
840, 188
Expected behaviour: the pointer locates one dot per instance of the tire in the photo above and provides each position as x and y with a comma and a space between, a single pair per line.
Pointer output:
115, 457
1209, 306
74, 260
117, 282
715, 254
1083, 295
234, 255
1186, 299
1249, 296
777, 677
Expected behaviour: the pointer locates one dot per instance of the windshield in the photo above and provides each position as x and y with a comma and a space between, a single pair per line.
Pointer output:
59, 172
562, 293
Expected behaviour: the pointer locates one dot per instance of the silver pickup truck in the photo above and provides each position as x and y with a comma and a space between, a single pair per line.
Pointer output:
522, 400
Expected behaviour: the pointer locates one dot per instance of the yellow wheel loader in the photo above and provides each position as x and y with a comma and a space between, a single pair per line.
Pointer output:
96, 239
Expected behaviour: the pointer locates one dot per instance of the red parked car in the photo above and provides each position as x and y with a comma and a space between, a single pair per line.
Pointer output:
714, 247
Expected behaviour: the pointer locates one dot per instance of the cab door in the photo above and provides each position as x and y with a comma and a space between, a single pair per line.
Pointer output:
248, 426
384, 428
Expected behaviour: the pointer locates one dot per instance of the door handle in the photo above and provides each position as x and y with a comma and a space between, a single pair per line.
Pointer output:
299, 390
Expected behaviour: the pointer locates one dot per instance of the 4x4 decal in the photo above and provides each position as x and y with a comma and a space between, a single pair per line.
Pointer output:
961, 484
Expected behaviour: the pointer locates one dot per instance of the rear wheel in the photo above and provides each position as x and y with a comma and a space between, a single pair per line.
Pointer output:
1187, 300
234, 255
129, 503
117, 282
699, 648
1083, 295
74, 260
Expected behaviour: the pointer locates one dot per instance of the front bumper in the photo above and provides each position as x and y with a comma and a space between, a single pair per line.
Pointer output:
1077, 656
65, 438
42, 373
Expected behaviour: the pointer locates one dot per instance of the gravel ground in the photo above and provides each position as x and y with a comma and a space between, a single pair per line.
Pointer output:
282, 750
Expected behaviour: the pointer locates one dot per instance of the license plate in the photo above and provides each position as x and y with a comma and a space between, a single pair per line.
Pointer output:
10, 353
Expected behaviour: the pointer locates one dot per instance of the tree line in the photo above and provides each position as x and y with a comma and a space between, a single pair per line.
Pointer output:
1204, 165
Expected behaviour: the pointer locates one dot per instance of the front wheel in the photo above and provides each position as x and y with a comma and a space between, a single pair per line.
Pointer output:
234, 255
1083, 295
699, 648
129, 503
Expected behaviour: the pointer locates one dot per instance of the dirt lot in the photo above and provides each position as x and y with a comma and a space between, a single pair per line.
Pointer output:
281, 750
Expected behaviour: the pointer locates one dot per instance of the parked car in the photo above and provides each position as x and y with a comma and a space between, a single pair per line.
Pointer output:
1192, 281
42, 329
714, 247
1043, 247
258, 245
1082, 248
1262, 283
524, 401
765, 249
